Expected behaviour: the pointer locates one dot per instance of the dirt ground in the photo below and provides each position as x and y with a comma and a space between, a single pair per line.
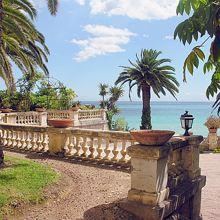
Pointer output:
89, 193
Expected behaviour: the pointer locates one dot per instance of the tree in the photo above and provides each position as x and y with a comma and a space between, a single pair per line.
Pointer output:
52, 6
114, 93
203, 19
103, 91
22, 44
149, 73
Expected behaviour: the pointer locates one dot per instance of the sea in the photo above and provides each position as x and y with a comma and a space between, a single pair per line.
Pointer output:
166, 115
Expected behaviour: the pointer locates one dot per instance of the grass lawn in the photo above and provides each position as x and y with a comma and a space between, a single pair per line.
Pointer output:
23, 181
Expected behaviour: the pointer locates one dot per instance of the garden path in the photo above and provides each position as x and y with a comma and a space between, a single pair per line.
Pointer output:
89, 192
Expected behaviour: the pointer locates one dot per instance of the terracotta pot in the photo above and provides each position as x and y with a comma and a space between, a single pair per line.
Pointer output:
6, 110
152, 137
40, 109
212, 130
60, 123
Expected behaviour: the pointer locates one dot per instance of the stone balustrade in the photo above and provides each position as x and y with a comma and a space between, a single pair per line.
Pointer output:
104, 146
91, 119
32, 138
90, 114
24, 118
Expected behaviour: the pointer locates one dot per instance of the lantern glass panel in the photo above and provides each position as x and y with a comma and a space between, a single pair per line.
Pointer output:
183, 123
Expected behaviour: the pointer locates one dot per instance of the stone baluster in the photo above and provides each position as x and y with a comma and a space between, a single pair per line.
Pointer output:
77, 146
23, 140
28, 140
107, 150
123, 152
19, 144
72, 145
99, 149
45, 142
34, 141
115, 151
92, 148
84, 147
9, 138
67, 147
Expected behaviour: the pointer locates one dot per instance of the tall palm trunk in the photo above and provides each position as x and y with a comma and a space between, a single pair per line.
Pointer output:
146, 111
1, 17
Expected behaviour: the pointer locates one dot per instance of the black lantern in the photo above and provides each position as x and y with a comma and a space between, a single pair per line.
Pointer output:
186, 122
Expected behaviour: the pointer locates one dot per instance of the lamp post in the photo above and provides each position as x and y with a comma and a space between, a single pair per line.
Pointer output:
186, 122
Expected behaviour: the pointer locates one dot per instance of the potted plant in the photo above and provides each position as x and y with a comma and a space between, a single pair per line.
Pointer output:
6, 106
212, 124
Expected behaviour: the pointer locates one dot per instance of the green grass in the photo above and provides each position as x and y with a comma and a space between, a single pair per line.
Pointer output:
22, 182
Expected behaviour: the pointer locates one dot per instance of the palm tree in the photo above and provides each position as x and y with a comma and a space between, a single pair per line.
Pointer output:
22, 44
52, 6
115, 93
149, 73
103, 91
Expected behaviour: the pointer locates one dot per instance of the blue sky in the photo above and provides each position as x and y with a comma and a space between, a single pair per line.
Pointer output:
90, 39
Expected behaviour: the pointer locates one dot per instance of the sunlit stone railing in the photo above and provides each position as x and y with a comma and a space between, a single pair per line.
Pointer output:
24, 137
95, 145
91, 119
24, 118
91, 114
57, 114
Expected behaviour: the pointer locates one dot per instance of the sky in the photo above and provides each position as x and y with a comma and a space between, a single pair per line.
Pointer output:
90, 39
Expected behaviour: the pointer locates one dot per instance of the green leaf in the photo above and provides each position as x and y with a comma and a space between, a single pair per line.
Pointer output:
180, 7
187, 7
199, 53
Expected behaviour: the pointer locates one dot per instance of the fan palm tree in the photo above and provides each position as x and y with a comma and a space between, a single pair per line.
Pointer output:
149, 74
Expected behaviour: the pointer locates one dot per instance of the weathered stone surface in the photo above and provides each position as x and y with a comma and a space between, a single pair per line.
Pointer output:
185, 201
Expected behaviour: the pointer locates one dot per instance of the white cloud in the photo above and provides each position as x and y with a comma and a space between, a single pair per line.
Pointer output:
169, 37
39, 3
137, 9
81, 2
103, 40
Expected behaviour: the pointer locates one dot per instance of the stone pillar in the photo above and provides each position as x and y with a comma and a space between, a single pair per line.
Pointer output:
75, 117
57, 140
212, 140
43, 118
11, 118
191, 164
149, 174
191, 156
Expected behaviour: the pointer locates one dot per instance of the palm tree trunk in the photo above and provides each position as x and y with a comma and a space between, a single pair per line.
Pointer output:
1, 17
146, 111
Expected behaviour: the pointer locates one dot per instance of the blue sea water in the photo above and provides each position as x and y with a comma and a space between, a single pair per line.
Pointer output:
166, 115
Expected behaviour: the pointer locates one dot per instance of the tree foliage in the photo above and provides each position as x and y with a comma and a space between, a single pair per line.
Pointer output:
22, 44
203, 20
110, 96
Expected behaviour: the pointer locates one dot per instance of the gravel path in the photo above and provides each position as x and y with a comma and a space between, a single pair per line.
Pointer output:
90, 192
